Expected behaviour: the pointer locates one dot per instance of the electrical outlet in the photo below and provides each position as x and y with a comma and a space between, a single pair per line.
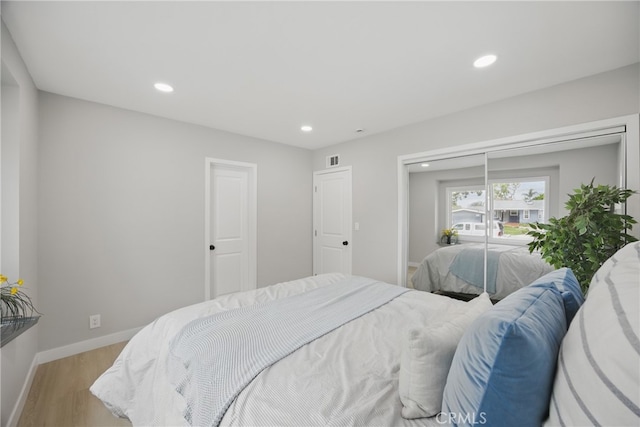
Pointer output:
94, 321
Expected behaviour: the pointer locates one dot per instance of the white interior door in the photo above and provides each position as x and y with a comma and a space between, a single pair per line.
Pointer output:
332, 246
231, 228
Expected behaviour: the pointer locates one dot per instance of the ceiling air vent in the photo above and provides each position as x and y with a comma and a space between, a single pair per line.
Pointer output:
333, 161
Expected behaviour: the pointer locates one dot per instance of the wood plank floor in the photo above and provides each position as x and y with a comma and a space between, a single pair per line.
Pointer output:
60, 395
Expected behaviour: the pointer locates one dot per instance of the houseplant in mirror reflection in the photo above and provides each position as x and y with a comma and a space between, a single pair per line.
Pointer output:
449, 236
589, 235
15, 305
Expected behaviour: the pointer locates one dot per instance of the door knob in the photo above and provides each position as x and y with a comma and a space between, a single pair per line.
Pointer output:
345, 243
211, 247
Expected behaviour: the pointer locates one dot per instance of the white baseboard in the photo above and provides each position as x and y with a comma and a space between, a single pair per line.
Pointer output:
82, 346
13, 419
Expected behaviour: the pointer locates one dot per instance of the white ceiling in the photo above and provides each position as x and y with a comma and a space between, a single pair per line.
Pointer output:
265, 68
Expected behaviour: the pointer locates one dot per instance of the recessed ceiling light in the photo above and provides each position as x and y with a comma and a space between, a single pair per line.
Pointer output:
163, 87
306, 128
485, 61
425, 165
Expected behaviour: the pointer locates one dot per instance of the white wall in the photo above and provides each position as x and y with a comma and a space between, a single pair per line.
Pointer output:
19, 253
122, 215
374, 158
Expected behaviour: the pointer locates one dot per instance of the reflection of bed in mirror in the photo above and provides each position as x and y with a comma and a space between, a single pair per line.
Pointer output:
459, 269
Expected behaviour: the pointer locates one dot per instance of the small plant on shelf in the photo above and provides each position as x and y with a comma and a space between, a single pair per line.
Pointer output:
449, 236
15, 304
589, 235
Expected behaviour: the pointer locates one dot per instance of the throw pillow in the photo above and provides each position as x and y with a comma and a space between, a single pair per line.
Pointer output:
502, 371
598, 376
427, 353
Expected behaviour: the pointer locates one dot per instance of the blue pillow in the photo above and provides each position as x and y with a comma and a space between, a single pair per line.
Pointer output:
502, 371
565, 281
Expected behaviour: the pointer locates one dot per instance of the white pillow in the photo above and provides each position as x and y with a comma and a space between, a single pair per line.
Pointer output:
426, 358
597, 380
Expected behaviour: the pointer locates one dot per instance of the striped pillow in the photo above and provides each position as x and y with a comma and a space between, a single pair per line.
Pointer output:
598, 375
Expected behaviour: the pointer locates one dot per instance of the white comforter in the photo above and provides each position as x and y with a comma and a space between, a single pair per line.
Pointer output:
347, 377
516, 268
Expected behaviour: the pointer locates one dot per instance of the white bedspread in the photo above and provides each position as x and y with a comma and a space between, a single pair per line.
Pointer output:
516, 268
347, 377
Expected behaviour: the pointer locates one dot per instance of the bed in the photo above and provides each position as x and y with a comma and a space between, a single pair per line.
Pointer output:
459, 269
541, 356
348, 376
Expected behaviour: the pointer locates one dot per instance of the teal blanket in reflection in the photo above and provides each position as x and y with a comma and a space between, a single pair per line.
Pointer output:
468, 265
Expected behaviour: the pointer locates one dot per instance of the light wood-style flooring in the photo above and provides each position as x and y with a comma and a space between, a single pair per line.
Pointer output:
60, 395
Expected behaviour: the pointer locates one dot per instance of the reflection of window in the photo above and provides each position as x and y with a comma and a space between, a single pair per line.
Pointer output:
514, 203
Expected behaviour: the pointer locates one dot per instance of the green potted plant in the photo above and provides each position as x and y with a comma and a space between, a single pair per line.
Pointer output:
590, 234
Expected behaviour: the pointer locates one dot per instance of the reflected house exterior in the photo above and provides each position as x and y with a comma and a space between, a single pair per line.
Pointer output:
505, 211
467, 215
518, 211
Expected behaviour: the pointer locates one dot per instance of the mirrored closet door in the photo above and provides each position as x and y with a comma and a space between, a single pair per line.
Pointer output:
447, 209
469, 215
